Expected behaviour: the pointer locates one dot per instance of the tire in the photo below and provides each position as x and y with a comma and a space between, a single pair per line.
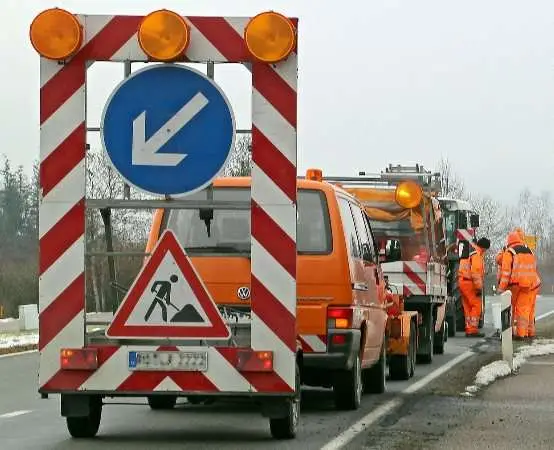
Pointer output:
451, 320
161, 402
287, 427
86, 427
348, 387
402, 367
439, 340
375, 378
427, 358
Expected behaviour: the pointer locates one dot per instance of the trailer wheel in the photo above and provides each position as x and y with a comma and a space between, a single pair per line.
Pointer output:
413, 347
375, 378
86, 426
287, 427
158, 402
348, 387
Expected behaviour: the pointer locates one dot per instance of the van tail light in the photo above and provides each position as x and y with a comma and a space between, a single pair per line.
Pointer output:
395, 329
339, 317
79, 358
254, 361
338, 339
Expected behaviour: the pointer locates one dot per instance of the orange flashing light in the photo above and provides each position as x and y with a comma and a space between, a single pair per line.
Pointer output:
408, 194
270, 37
163, 35
314, 174
56, 34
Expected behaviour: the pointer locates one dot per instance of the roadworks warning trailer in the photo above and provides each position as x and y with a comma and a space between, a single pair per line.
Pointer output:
406, 220
158, 346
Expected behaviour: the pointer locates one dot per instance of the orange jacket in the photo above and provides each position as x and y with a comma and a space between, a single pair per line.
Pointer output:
519, 267
473, 268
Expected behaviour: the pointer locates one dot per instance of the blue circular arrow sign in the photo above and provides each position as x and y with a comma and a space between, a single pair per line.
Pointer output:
168, 129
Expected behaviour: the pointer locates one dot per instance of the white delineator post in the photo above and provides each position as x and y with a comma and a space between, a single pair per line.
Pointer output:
502, 313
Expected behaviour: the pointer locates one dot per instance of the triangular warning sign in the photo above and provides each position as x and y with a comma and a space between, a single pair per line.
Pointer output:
168, 300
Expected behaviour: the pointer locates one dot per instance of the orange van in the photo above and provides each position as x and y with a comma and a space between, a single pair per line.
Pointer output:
341, 315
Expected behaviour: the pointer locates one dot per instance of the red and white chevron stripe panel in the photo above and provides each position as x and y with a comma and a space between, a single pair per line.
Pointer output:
62, 211
313, 343
463, 234
414, 278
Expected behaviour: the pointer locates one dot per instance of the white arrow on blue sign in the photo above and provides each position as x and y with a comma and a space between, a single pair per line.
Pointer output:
168, 129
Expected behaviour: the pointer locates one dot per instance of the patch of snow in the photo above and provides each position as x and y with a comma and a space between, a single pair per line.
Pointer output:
14, 340
498, 369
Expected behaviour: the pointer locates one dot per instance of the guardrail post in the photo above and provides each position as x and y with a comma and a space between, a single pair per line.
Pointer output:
502, 314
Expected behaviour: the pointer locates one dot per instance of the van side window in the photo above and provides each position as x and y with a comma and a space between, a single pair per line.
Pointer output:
349, 228
372, 243
366, 241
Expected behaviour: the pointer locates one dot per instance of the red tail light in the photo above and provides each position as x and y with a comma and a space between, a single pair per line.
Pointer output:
338, 339
339, 317
254, 361
79, 358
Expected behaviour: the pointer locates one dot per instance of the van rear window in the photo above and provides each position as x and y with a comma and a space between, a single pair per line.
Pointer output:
229, 230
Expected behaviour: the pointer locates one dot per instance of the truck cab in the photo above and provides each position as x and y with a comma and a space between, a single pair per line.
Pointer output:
341, 312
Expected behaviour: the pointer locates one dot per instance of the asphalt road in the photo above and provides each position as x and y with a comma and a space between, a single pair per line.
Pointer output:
29, 422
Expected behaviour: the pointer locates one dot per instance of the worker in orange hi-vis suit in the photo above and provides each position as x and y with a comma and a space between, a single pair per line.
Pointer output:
471, 275
519, 275
531, 329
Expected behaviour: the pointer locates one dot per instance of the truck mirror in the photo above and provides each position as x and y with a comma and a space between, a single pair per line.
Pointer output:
474, 220
366, 254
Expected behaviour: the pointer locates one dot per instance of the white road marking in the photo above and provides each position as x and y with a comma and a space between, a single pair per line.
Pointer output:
14, 414
8, 355
544, 316
365, 422
540, 363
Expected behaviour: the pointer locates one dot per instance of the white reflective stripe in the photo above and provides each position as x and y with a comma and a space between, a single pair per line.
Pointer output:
64, 196
223, 375
284, 361
266, 190
130, 51
71, 336
167, 385
315, 343
273, 126
61, 274
65, 120
274, 277
283, 215
113, 372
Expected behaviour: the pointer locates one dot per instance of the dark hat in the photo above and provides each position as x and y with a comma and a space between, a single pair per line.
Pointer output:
484, 243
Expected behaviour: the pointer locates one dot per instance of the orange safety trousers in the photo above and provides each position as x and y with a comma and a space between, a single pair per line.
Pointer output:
523, 300
531, 330
471, 303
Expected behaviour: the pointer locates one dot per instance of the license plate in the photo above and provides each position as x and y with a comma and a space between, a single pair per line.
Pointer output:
153, 360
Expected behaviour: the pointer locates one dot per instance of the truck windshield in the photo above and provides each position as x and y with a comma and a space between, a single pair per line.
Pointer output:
228, 232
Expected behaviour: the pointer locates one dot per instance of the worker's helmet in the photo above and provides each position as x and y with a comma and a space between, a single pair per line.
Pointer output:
514, 238
519, 231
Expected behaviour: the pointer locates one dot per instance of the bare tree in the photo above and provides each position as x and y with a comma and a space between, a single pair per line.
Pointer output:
451, 184
240, 164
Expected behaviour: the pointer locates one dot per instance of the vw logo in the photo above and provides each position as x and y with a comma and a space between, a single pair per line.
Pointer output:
243, 293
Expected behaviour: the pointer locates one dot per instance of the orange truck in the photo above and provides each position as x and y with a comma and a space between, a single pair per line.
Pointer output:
405, 215
341, 290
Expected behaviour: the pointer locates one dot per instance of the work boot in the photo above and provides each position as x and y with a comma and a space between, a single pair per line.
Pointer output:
518, 338
475, 335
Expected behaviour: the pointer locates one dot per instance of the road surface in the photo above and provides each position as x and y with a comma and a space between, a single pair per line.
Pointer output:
28, 422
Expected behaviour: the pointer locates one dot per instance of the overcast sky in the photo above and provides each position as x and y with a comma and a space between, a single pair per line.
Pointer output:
379, 81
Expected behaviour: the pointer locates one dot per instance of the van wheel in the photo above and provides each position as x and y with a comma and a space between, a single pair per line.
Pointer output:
162, 401
348, 387
375, 378
287, 427
86, 426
